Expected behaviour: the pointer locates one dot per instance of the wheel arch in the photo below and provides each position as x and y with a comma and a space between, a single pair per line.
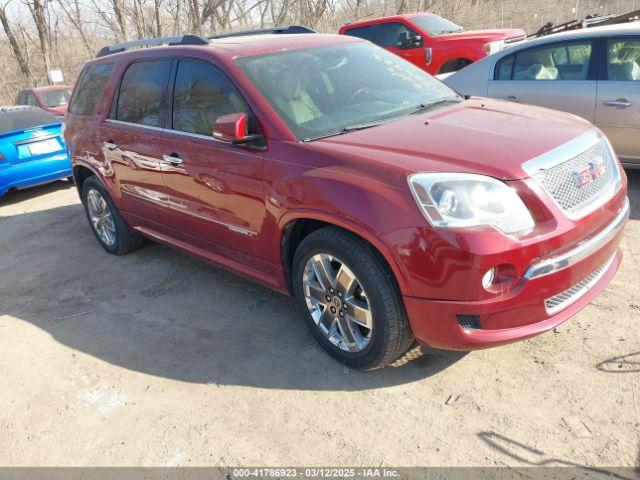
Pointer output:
80, 174
450, 65
295, 227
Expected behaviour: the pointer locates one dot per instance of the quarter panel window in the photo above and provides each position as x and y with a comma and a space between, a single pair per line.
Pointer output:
505, 68
565, 61
90, 88
142, 93
202, 94
623, 60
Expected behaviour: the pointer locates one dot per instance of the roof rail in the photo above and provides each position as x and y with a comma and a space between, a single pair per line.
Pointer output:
152, 42
261, 31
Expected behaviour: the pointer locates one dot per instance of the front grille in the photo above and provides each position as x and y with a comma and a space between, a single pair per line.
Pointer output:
562, 184
571, 295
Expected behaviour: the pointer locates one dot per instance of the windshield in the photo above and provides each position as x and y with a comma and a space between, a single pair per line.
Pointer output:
435, 25
328, 90
55, 98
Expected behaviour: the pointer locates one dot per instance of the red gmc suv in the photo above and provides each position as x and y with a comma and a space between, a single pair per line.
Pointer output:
431, 42
329, 169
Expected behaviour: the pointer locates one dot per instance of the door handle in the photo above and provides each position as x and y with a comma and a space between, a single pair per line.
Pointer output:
511, 98
620, 102
173, 159
109, 145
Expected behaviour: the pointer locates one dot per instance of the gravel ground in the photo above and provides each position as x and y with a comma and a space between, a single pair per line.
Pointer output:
158, 359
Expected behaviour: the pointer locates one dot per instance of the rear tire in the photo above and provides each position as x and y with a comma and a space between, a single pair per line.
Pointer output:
105, 220
335, 303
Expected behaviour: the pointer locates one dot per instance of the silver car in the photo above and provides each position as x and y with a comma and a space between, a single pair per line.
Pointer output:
593, 73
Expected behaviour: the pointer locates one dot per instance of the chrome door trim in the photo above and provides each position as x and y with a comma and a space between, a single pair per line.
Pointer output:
234, 228
583, 250
215, 141
196, 135
166, 202
131, 124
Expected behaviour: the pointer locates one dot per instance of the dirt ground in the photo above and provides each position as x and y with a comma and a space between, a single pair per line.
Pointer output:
158, 359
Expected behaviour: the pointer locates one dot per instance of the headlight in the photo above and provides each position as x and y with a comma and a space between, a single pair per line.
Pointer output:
454, 200
493, 47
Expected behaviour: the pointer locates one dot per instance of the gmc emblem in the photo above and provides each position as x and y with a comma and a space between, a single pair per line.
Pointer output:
588, 174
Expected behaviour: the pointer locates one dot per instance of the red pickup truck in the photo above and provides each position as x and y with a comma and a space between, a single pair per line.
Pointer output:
431, 42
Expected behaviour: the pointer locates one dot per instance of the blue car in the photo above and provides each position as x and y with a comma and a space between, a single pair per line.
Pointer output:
32, 149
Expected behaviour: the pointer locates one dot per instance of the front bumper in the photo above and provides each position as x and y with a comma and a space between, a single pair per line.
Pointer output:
552, 290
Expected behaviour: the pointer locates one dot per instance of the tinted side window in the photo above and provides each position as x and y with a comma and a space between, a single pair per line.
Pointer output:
89, 89
20, 99
565, 61
389, 35
367, 33
202, 94
142, 93
623, 60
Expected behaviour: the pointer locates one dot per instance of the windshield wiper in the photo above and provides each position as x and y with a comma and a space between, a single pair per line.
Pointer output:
346, 129
426, 106
361, 126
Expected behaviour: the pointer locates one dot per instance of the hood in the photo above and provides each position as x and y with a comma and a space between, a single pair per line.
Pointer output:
489, 137
486, 35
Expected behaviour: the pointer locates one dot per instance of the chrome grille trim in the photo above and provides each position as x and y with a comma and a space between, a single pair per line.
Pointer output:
554, 171
571, 295
583, 250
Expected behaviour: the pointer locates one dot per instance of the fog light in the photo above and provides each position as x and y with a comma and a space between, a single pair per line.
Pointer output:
469, 321
488, 278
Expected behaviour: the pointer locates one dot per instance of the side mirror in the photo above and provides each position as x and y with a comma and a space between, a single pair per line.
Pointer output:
407, 40
415, 41
232, 128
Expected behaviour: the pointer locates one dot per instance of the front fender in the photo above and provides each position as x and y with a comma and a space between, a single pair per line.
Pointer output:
360, 230
363, 205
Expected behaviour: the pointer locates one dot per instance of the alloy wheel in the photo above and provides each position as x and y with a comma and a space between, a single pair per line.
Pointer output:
337, 302
101, 218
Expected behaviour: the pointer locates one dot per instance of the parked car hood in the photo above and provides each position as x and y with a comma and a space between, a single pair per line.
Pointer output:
489, 137
486, 35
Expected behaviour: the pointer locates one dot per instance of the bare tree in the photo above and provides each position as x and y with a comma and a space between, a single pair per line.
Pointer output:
15, 47
37, 9
118, 12
73, 13
156, 15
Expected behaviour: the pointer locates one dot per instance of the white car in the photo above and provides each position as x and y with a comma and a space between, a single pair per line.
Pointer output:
593, 73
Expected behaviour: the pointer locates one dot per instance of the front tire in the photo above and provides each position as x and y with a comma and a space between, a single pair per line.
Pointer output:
106, 222
350, 300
